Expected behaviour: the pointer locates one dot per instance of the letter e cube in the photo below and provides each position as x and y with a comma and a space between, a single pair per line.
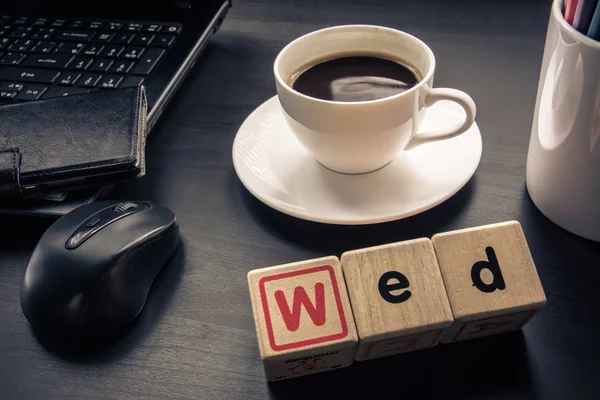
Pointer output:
397, 296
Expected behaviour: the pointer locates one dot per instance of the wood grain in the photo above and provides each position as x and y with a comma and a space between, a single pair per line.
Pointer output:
196, 338
418, 305
488, 272
303, 318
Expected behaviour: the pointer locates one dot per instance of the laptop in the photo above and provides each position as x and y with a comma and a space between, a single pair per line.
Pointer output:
54, 48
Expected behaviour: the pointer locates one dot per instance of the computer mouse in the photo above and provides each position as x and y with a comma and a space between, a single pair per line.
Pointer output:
91, 271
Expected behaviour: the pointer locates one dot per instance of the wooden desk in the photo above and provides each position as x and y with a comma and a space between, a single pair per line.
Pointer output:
196, 338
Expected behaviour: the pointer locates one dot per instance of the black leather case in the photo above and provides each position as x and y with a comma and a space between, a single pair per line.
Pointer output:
71, 142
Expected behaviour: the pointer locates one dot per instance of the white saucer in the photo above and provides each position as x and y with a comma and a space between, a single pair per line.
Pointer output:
276, 169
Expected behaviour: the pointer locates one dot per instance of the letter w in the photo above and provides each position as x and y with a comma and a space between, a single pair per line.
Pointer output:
292, 317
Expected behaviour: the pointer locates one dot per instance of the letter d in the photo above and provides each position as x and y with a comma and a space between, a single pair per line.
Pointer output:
491, 265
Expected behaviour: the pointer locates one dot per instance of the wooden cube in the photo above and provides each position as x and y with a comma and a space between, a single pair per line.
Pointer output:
397, 296
490, 278
303, 318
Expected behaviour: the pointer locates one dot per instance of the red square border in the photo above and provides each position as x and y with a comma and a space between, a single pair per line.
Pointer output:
308, 342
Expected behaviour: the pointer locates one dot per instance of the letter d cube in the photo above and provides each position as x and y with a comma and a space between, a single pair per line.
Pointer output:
490, 278
303, 318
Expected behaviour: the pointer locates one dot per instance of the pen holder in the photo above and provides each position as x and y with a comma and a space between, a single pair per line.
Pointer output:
563, 163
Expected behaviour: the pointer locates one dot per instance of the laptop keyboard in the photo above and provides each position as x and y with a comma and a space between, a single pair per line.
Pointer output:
41, 58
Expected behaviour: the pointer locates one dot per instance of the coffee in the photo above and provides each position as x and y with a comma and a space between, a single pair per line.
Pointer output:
354, 78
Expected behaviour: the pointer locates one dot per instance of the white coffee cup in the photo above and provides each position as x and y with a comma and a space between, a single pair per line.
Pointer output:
563, 163
359, 137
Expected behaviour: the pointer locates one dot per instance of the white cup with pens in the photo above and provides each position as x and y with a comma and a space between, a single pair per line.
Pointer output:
563, 165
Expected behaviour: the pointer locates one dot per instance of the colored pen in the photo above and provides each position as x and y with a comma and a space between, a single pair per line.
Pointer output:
570, 10
583, 15
594, 31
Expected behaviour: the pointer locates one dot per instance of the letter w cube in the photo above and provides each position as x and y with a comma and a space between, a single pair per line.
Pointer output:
303, 318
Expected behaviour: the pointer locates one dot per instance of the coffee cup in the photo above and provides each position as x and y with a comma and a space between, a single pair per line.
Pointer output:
362, 136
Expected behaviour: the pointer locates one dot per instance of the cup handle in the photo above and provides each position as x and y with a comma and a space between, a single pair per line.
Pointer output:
457, 96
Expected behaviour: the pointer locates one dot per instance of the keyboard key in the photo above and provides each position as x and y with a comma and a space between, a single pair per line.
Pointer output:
4, 43
20, 21
164, 40
81, 63
112, 51
47, 60
68, 78
43, 46
43, 34
31, 92
40, 22
132, 81
26, 29
110, 81
101, 65
123, 38
104, 37
7, 95
28, 75
20, 45
69, 48
175, 28
74, 36
11, 86
148, 61
122, 67
154, 28
143, 40
58, 23
19, 34
92, 50
95, 25
64, 92
11, 58
133, 53
114, 26
133, 27
89, 80
75, 24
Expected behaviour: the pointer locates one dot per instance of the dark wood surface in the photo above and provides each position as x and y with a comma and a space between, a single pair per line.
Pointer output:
196, 339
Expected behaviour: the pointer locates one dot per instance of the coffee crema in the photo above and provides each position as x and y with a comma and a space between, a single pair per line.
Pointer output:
352, 78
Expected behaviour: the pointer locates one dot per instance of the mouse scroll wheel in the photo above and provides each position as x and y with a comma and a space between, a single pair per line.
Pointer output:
125, 206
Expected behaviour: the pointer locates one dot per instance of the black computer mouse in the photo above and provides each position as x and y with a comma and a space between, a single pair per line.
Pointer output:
91, 271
